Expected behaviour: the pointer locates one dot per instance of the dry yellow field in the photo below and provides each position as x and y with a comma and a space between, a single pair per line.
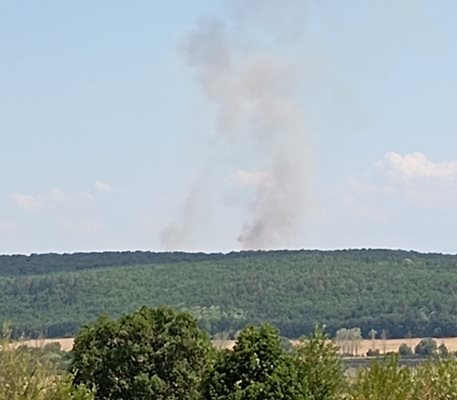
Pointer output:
65, 344
388, 345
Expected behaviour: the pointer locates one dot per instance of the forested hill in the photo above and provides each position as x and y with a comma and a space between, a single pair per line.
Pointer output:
405, 293
20, 265
35, 264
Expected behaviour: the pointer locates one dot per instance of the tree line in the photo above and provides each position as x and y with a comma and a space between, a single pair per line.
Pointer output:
161, 354
400, 293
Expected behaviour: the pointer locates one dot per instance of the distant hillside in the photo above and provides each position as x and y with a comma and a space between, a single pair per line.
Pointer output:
405, 293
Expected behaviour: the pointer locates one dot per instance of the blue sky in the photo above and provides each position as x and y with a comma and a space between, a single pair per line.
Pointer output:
133, 124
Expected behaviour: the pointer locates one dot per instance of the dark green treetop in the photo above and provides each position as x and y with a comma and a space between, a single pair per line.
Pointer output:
150, 354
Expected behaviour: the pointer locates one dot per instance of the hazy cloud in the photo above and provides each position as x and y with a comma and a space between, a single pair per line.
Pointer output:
56, 195
417, 165
102, 186
250, 178
25, 202
399, 181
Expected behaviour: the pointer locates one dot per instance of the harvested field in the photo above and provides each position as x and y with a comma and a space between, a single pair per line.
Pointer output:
389, 345
66, 344
392, 345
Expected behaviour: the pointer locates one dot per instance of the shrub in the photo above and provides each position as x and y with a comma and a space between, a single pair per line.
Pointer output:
383, 380
426, 347
443, 351
24, 376
405, 351
436, 380
373, 353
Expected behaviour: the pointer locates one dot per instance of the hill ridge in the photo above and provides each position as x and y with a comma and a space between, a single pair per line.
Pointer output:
403, 292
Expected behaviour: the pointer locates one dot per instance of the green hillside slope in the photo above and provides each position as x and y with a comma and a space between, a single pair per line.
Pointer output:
405, 293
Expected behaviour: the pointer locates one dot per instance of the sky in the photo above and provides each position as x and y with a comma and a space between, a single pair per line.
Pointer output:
220, 125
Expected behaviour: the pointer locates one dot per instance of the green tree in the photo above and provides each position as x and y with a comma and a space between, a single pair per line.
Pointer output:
342, 339
384, 339
405, 351
349, 340
320, 368
356, 339
442, 350
426, 347
382, 381
372, 334
150, 354
256, 369
24, 375
436, 379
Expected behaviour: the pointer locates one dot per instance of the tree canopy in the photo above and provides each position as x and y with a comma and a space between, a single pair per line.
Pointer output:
150, 354
397, 292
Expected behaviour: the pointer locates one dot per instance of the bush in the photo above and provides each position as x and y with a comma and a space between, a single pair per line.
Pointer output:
383, 380
373, 353
436, 380
405, 351
25, 376
426, 347
443, 351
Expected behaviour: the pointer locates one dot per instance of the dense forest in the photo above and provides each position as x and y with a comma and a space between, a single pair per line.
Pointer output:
402, 293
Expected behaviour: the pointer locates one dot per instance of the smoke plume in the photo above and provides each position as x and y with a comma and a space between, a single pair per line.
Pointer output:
255, 91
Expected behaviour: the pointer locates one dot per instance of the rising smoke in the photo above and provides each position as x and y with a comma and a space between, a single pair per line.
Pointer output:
255, 92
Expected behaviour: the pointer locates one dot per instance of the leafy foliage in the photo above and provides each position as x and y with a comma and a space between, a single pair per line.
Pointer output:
319, 367
405, 351
26, 374
426, 347
150, 354
388, 291
383, 380
256, 369
161, 354
436, 380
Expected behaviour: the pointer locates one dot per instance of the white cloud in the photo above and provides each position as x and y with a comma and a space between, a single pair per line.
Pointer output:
102, 186
56, 195
25, 202
417, 165
409, 181
250, 178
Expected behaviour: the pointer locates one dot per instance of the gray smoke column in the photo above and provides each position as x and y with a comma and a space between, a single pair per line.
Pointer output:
181, 235
255, 91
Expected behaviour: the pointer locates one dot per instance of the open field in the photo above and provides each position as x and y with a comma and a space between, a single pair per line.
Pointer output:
389, 345
384, 346
66, 344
